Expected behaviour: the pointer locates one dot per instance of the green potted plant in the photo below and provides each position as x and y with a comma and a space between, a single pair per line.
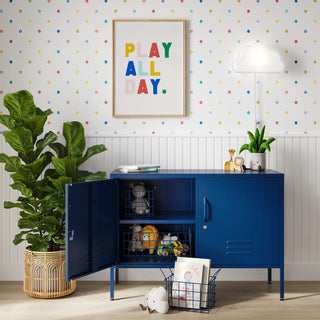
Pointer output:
40, 176
257, 147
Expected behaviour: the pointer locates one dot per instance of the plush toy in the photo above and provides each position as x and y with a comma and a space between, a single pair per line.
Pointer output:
168, 240
156, 299
164, 250
139, 205
180, 249
135, 244
149, 236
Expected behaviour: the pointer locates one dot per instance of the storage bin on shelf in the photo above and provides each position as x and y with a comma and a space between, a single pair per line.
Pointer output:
163, 242
195, 297
139, 201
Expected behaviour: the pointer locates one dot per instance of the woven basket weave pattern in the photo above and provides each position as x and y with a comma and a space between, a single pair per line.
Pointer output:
44, 275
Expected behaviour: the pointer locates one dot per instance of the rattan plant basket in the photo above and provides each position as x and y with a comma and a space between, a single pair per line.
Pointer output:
44, 275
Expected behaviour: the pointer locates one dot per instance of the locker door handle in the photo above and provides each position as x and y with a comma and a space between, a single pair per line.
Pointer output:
71, 235
206, 208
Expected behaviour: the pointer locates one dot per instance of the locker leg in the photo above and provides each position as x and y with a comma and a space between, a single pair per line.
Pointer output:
117, 275
282, 283
111, 283
269, 275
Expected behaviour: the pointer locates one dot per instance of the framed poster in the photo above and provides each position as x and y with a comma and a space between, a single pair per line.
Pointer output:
148, 68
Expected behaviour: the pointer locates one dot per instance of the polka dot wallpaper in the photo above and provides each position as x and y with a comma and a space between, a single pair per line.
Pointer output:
61, 51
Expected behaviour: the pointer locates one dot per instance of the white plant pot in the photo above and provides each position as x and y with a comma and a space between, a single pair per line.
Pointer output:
257, 161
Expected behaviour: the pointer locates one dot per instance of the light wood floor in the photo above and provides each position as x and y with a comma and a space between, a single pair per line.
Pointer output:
235, 300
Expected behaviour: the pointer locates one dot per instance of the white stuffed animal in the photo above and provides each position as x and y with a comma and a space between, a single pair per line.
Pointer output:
139, 205
135, 244
156, 299
168, 240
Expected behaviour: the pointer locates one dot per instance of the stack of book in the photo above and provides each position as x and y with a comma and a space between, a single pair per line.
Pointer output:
138, 168
190, 286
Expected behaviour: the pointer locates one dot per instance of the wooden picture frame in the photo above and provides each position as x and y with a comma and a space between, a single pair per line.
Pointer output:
148, 68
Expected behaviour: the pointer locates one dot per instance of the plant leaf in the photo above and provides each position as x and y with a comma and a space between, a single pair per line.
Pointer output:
60, 149
73, 132
24, 175
244, 147
7, 121
99, 175
23, 206
92, 151
27, 192
66, 166
35, 125
261, 136
252, 147
257, 134
13, 163
18, 238
25, 223
39, 165
42, 247
20, 105
20, 139
60, 182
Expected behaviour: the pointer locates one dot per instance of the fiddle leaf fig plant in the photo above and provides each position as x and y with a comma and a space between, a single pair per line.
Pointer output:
40, 175
257, 142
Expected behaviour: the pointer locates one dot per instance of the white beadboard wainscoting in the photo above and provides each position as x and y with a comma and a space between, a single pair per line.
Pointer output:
297, 157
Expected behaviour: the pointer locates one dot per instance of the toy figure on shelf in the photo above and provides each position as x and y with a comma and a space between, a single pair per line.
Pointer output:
150, 238
139, 205
135, 244
180, 249
164, 250
235, 165
168, 240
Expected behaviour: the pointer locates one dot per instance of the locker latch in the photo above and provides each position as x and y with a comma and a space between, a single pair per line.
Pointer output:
71, 235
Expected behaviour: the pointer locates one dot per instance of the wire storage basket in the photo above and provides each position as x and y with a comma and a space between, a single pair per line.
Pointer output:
149, 243
139, 204
195, 297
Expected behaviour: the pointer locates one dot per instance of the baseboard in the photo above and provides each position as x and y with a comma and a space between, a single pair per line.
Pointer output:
296, 272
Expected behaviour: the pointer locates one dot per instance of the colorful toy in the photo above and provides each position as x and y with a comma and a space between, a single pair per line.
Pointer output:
164, 250
139, 205
156, 299
180, 249
150, 238
167, 239
235, 165
135, 244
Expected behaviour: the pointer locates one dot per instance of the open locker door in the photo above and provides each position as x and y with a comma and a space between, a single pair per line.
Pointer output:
91, 227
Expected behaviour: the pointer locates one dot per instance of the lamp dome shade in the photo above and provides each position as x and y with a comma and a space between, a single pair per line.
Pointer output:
257, 58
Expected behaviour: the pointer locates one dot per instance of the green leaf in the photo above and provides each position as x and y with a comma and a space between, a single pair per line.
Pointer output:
20, 139
244, 147
60, 241
251, 136
24, 175
93, 176
35, 125
43, 113
7, 121
60, 182
256, 135
20, 105
252, 147
18, 238
73, 132
261, 136
34, 238
13, 163
39, 165
92, 151
23, 206
27, 192
60, 149
66, 166
42, 247
25, 223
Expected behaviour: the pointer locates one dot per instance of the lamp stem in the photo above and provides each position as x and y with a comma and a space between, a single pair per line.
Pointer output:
255, 100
